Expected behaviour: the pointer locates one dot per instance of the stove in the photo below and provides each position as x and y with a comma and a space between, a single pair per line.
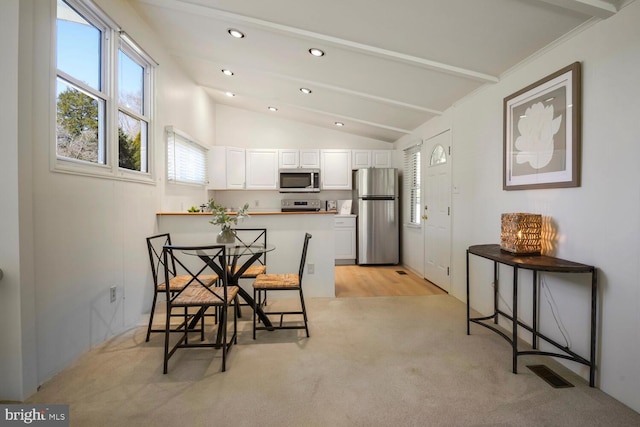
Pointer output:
300, 205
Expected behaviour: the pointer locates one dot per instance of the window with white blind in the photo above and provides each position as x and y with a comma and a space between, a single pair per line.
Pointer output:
412, 182
186, 159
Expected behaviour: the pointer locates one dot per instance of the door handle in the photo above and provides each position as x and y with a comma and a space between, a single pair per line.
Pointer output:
425, 217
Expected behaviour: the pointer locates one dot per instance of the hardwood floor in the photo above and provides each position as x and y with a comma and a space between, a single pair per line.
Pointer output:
375, 281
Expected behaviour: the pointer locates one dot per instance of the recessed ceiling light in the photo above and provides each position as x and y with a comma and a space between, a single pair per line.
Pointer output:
272, 108
339, 124
305, 90
227, 72
230, 94
316, 52
235, 33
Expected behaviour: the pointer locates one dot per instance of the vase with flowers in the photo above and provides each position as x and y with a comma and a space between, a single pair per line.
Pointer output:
226, 220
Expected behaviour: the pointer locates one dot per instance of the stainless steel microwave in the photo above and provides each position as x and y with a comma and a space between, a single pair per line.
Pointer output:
299, 180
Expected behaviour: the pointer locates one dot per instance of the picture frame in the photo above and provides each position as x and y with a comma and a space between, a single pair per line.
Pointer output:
542, 133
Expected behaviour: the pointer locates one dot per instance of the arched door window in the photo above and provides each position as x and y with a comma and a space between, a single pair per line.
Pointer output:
438, 156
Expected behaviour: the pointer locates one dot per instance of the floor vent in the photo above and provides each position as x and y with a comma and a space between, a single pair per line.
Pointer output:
553, 379
400, 272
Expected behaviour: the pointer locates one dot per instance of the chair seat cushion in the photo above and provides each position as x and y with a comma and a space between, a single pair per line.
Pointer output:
277, 281
195, 294
179, 282
253, 271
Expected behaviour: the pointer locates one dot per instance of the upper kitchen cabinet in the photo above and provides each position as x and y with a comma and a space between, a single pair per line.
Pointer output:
262, 169
382, 158
335, 169
235, 168
292, 158
362, 159
217, 168
226, 168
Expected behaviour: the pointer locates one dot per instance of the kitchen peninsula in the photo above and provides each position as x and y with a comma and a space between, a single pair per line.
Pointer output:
285, 230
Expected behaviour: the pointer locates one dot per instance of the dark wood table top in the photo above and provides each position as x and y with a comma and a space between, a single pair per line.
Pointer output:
530, 262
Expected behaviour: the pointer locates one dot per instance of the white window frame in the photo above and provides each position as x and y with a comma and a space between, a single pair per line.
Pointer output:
177, 166
412, 183
113, 39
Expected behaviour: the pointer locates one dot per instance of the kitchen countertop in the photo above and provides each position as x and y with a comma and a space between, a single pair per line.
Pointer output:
250, 213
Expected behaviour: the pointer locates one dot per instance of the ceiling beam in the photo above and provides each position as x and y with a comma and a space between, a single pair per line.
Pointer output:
598, 8
187, 7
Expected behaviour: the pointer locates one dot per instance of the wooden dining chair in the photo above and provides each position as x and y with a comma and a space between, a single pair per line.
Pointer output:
265, 283
176, 282
199, 296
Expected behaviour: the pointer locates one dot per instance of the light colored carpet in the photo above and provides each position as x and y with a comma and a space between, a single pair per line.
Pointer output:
385, 361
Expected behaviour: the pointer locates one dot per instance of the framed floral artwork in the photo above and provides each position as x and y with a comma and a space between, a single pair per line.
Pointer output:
542, 125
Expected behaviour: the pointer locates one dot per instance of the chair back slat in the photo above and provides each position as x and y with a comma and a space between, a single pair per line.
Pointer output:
303, 259
211, 257
253, 236
155, 245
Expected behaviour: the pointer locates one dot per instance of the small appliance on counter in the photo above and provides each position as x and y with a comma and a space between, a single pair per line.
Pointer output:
300, 205
331, 205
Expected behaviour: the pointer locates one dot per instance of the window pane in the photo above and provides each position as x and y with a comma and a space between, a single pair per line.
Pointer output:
78, 46
186, 161
130, 83
132, 143
79, 129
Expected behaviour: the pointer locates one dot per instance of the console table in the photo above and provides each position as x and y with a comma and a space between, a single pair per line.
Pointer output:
535, 263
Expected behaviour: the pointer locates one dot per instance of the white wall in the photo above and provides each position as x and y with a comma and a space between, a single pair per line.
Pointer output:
16, 287
242, 128
597, 223
76, 236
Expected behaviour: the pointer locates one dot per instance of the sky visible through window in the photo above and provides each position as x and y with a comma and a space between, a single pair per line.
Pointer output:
79, 55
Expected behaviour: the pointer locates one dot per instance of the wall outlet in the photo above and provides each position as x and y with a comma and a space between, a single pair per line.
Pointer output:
112, 294
310, 268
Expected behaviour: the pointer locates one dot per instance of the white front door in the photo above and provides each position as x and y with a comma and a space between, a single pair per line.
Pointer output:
436, 212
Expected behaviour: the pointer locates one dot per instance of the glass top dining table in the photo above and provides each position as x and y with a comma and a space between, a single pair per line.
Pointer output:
239, 258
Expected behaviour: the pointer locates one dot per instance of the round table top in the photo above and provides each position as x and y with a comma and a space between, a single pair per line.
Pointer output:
232, 250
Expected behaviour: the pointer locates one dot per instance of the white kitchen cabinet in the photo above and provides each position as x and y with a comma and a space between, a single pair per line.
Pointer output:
217, 168
382, 158
345, 239
226, 168
292, 158
235, 168
335, 169
310, 158
361, 159
261, 169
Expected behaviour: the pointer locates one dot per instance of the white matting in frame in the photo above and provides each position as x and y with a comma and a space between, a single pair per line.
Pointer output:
542, 125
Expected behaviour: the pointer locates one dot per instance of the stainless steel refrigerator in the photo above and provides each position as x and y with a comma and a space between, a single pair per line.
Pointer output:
375, 200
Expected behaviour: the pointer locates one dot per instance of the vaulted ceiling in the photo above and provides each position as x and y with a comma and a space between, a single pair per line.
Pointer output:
388, 67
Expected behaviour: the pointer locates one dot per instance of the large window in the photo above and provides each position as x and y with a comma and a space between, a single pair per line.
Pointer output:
103, 88
412, 182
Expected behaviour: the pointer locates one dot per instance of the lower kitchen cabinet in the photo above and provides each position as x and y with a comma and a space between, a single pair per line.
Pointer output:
345, 239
